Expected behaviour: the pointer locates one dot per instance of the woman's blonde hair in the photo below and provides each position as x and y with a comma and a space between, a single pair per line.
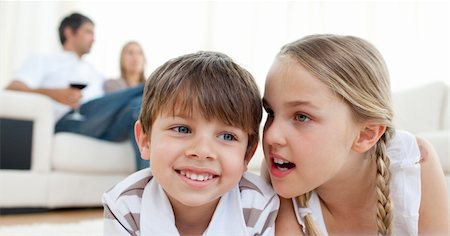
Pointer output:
356, 72
122, 65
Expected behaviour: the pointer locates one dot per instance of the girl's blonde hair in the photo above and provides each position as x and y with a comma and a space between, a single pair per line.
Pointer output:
356, 72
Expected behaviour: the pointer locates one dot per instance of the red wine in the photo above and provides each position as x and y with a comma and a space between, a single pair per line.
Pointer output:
78, 85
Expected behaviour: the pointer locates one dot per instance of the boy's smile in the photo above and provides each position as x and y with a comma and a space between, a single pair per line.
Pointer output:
197, 178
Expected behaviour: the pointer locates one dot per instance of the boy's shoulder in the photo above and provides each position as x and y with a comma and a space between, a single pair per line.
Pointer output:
122, 203
256, 187
259, 204
131, 187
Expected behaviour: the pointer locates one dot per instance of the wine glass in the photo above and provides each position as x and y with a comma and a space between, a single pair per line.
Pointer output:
76, 115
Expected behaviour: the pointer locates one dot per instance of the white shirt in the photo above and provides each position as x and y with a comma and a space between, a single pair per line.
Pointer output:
139, 206
57, 70
405, 187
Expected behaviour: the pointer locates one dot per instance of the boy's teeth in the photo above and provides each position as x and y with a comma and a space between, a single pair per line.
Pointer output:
197, 177
279, 161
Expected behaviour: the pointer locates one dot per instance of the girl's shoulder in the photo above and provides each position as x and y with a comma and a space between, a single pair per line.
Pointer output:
405, 184
403, 150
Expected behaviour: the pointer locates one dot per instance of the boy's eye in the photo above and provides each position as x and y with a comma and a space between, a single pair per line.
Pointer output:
227, 137
302, 118
182, 129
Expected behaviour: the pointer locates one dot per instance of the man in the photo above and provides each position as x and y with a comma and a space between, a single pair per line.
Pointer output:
109, 117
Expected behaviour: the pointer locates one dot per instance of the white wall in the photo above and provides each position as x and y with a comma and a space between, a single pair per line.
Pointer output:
413, 36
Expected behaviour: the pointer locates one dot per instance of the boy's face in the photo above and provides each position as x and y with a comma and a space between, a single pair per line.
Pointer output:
195, 160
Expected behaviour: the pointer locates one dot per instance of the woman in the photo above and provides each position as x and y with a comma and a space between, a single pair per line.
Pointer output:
132, 64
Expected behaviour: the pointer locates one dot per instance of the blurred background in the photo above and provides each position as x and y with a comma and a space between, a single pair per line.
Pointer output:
413, 36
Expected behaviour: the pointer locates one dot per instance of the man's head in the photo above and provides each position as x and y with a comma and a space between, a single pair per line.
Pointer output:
76, 33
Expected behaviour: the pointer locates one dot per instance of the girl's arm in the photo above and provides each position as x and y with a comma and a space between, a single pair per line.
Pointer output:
434, 212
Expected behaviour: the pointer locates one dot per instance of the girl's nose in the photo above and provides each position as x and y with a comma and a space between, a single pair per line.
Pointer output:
273, 133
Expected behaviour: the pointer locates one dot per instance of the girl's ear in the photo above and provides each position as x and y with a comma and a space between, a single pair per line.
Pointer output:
142, 141
368, 136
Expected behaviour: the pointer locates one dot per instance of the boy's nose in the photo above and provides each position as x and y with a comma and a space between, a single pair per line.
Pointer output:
202, 148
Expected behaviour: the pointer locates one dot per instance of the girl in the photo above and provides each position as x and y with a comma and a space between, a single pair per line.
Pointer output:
325, 141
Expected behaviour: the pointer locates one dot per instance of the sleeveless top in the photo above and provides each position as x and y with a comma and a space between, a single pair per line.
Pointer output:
405, 187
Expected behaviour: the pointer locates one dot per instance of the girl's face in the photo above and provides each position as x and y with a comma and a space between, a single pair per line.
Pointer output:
309, 131
133, 58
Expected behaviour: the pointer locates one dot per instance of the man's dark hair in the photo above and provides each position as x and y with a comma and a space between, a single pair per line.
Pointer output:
73, 21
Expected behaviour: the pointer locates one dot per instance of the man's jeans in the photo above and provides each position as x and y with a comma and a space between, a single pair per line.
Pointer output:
110, 118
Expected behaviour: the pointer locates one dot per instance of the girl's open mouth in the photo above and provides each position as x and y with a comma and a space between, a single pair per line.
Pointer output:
282, 165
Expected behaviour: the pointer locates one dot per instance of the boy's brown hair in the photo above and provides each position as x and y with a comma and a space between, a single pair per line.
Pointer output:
210, 82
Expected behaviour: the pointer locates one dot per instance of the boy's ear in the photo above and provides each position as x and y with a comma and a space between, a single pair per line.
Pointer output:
248, 155
368, 136
142, 141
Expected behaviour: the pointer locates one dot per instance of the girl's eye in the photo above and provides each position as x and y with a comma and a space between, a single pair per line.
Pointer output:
302, 118
227, 137
182, 129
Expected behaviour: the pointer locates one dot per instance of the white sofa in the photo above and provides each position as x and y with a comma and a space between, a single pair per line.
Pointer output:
424, 111
69, 170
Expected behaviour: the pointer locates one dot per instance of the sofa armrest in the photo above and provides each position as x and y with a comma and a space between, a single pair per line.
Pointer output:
420, 109
38, 109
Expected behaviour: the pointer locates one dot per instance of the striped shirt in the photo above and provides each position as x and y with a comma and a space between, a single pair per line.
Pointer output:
248, 209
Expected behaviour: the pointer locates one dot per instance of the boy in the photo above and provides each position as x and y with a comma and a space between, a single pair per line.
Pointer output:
199, 127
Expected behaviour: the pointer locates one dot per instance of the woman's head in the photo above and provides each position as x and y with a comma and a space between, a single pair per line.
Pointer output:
132, 61
325, 93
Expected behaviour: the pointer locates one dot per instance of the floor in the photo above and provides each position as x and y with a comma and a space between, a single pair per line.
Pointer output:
53, 216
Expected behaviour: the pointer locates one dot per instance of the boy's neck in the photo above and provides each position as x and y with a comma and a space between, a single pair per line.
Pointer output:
193, 220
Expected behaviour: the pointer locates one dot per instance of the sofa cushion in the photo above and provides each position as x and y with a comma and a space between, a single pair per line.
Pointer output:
82, 154
446, 108
420, 109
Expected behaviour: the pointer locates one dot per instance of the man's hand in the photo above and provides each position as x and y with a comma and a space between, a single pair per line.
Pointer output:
67, 96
